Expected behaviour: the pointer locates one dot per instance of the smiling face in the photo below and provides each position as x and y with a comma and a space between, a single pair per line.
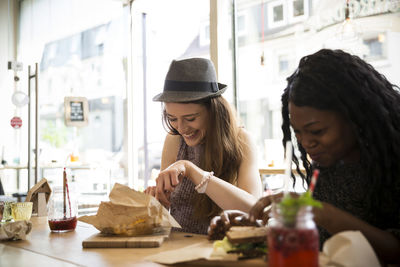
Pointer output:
190, 120
325, 135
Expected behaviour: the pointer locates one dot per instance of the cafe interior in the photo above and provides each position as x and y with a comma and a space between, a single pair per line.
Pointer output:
77, 79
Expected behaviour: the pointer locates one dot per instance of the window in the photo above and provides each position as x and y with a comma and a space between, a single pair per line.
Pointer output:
375, 47
276, 14
241, 25
204, 37
85, 60
283, 64
298, 10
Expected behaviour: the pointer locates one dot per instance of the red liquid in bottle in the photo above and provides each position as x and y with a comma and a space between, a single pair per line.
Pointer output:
289, 247
67, 224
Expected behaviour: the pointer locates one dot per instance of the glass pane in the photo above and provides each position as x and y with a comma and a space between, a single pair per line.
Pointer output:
278, 13
267, 55
298, 8
173, 29
81, 54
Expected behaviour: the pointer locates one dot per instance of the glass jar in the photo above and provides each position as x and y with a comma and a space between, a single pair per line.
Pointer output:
6, 212
294, 241
62, 210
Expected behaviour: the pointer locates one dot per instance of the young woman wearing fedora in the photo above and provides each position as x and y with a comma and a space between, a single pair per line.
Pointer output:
208, 162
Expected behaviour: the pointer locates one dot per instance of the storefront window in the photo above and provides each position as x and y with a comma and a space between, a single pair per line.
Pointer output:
164, 31
264, 63
81, 53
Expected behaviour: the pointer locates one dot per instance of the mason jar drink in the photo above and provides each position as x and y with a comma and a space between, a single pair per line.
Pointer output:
293, 240
62, 210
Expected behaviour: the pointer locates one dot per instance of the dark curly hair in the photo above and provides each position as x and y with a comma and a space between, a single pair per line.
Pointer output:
337, 81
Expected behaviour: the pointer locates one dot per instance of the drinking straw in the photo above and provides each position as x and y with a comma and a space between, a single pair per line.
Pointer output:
69, 199
64, 186
314, 180
288, 170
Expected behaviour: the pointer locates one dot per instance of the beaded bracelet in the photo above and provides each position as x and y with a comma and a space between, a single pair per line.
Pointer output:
202, 186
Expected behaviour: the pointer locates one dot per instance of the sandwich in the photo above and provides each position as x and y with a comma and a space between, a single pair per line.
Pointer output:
246, 241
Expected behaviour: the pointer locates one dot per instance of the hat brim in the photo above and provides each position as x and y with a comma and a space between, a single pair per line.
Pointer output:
188, 96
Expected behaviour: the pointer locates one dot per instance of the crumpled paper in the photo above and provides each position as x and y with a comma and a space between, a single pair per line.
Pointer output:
348, 248
130, 213
15, 230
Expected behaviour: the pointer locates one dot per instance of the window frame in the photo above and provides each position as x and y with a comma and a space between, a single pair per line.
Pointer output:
291, 17
271, 23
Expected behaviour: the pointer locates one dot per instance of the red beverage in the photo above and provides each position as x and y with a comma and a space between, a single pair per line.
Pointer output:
292, 247
293, 239
62, 209
63, 225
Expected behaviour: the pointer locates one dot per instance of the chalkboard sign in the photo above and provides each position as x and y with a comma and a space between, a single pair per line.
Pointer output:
76, 111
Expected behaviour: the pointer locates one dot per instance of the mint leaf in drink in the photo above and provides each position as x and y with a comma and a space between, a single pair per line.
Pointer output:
306, 199
289, 206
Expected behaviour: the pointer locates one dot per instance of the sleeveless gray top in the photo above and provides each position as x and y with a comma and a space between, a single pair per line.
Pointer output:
181, 199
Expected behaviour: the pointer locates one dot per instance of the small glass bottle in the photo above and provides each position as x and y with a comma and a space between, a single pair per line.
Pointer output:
62, 210
293, 242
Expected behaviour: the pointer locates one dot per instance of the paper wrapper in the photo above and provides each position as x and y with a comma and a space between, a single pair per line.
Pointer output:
130, 213
15, 230
348, 249
202, 250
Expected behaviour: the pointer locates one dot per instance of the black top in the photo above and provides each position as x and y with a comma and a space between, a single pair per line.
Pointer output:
344, 187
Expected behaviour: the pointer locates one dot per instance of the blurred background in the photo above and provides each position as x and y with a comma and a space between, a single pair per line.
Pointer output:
115, 54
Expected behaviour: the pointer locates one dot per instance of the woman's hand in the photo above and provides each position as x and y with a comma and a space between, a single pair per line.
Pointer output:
219, 225
152, 190
168, 179
262, 208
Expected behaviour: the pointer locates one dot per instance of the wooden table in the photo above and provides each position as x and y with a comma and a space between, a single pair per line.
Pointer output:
274, 171
43, 248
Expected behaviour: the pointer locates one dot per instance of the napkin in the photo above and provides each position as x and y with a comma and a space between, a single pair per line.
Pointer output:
15, 230
198, 251
130, 213
348, 249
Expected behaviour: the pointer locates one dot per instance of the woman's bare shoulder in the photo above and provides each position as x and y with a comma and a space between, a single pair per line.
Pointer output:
170, 150
172, 140
245, 135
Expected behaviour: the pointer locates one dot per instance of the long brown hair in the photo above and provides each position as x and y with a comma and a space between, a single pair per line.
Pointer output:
223, 148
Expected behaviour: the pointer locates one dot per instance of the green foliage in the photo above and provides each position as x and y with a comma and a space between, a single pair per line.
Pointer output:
289, 206
55, 136
228, 247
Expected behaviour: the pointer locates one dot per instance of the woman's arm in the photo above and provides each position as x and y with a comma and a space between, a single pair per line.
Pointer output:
169, 154
335, 220
224, 194
170, 150
249, 175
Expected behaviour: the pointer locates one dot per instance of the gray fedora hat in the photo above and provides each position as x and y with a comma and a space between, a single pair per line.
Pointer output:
190, 80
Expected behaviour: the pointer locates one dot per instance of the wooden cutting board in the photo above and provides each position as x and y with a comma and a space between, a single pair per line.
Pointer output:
106, 241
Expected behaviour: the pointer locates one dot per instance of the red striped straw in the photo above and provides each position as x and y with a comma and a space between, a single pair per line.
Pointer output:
314, 180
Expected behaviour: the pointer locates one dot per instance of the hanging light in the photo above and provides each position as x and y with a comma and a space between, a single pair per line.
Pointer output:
349, 30
262, 58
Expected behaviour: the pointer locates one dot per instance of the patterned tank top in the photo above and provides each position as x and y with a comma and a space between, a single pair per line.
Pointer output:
181, 199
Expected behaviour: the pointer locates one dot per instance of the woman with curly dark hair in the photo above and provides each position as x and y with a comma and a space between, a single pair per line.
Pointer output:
346, 119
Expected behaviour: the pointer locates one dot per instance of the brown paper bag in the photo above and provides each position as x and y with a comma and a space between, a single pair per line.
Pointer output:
130, 213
